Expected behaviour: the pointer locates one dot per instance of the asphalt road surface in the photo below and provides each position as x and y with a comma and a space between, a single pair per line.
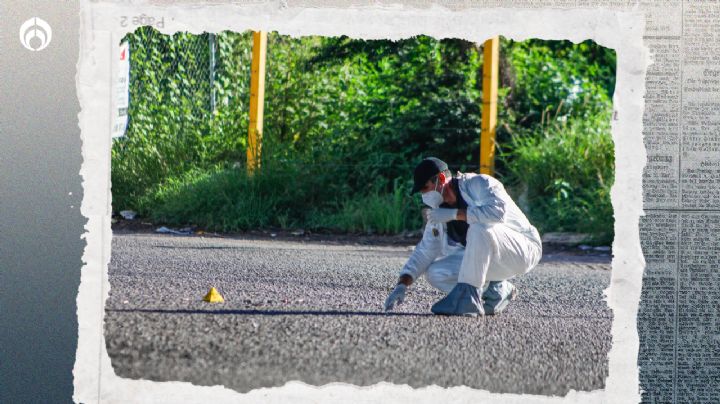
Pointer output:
313, 312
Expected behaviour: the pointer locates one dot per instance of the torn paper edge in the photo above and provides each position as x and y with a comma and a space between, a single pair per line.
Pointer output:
100, 32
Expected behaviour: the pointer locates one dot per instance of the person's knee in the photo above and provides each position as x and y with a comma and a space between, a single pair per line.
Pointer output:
440, 278
531, 258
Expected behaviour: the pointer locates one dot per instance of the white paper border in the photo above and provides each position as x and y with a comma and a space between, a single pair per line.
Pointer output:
94, 378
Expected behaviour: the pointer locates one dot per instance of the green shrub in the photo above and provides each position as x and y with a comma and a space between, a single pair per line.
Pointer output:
227, 199
345, 123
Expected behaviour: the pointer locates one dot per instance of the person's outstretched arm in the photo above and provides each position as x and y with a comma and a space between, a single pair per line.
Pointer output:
424, 254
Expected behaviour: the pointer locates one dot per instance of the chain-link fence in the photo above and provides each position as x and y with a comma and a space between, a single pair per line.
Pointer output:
178, 69
187, 108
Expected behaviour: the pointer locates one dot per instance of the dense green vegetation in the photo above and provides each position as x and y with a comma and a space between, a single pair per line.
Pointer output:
347, 120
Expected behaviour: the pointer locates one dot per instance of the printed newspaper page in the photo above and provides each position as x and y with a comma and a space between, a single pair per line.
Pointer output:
678, 326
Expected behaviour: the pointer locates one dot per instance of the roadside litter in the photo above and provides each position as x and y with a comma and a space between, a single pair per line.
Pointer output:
167, 230
128, 214
602, 248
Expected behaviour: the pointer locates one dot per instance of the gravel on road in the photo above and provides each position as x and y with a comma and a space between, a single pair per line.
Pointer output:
312, 311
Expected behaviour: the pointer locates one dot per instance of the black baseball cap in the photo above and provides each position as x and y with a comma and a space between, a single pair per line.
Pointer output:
427, 169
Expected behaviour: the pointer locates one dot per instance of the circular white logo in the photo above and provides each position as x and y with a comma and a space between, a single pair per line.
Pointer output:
35, 34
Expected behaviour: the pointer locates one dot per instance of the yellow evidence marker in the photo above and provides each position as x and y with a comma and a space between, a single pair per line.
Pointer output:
213, 296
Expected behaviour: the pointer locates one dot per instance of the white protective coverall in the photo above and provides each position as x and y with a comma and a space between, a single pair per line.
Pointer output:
501, 242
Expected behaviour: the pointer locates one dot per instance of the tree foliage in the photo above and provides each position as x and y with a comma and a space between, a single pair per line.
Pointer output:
350, 118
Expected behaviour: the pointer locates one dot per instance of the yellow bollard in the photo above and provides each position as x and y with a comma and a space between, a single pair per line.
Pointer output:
257, 99
491, 56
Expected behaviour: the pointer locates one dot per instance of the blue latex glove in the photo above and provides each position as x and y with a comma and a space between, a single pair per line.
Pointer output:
442, 215
396, 297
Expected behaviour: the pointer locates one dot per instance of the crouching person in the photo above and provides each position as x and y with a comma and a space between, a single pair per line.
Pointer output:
475, 240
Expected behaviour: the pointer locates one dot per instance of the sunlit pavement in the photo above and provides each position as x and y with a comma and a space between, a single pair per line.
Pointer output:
313, 312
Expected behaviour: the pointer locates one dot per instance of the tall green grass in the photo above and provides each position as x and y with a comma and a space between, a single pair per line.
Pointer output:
228, 199
563, 171
566, 170
382, 213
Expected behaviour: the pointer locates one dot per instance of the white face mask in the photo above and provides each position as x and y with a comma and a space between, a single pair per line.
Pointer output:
433, 198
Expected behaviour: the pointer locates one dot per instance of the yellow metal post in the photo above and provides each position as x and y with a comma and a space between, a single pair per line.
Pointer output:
257, 98
491, 51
